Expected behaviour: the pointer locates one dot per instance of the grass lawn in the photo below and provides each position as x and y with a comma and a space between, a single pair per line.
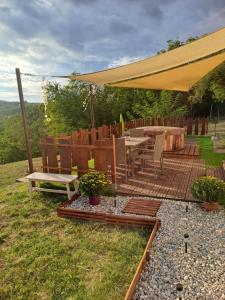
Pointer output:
10, 172
206, 151
43, 256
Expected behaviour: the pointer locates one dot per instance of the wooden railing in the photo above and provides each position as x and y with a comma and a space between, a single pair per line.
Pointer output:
197, 126
60, 155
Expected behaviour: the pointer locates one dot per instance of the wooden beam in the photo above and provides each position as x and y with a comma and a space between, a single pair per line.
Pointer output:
22, 108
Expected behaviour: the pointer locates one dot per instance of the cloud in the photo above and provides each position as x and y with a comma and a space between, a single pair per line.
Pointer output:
123, 61
62, 36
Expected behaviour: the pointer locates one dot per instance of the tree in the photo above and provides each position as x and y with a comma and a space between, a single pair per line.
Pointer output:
12, 146
160, 105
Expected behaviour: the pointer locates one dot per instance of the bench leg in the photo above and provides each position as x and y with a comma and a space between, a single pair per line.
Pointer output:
75, 186
68, 191
30, 189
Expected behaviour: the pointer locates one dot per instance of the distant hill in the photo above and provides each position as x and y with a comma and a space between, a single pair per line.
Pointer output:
11, 108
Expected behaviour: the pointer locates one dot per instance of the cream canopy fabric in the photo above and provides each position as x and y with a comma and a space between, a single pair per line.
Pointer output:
178, 69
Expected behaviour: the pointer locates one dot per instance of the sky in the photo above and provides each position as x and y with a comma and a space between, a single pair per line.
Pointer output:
58, 37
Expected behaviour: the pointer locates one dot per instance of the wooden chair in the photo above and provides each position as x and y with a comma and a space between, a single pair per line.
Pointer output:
154, 155
137, 132
125, 159
121, 155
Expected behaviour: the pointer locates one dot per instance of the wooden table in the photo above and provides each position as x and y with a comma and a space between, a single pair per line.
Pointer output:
50, 177
174, 136
131, 144
134, 142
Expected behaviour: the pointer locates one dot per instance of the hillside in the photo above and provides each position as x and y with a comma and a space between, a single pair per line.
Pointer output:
11, 108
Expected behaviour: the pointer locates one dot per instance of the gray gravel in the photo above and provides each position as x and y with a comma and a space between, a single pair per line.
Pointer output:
201, 271
113, 205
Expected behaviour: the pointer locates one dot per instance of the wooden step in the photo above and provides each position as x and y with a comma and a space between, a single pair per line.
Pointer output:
142, 207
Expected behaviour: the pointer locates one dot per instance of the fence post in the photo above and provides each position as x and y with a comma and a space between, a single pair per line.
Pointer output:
189, 126
196, 126
113, 170
203, 126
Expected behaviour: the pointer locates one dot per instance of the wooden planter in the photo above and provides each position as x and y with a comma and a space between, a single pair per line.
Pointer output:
123, 220
210, 206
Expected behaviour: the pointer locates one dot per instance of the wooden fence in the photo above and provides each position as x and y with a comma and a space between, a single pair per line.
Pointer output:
197, 126
60, 155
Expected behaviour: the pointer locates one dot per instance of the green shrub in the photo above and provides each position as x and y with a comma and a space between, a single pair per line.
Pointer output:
92, 183
109, 191
208, 188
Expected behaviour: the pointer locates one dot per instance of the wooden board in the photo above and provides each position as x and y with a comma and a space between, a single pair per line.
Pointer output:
191, 150
142, 207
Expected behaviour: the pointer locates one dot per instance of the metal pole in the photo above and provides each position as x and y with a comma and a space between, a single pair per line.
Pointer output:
26, 134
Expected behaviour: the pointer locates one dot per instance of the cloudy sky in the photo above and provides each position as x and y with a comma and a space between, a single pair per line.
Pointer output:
63, 36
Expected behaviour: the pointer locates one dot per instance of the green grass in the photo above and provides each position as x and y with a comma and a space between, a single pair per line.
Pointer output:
43, 256
206, 151
12, 171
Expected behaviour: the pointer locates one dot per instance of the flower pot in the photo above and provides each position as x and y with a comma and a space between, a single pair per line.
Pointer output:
94, 200
210, 206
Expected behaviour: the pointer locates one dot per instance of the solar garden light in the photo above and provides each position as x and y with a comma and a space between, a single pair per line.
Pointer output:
186, 236
186, 208
179, 290
114, 202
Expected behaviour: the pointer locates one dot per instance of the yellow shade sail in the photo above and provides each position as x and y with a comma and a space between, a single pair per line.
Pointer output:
178, 69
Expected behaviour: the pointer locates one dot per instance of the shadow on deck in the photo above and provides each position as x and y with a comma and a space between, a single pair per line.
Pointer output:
175, 183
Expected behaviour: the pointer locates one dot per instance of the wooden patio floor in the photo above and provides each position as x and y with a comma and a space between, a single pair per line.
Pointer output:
175, 183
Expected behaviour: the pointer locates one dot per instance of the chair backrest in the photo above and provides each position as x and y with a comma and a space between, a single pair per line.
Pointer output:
158, 148
120, 151
137, 132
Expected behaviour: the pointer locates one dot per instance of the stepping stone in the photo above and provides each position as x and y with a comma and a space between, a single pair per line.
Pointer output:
142, 207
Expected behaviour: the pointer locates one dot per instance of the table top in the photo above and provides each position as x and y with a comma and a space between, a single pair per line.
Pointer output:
63, 178
135, 141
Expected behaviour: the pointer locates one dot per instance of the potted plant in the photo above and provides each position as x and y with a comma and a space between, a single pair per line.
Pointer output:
91, 184
209, 189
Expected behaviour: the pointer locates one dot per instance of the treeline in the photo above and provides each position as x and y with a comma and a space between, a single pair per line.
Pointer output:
12, 145
67, 108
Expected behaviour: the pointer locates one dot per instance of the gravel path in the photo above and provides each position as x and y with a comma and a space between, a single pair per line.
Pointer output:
201, 270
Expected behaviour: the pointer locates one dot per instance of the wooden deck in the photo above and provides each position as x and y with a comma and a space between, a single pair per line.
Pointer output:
175, 183
191, 150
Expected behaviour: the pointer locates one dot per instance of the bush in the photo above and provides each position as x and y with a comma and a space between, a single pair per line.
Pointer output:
108, 191
92, 183
208, 189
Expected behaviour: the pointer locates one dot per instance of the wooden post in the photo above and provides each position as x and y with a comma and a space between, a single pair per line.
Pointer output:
113, 170
26, 134
91, 92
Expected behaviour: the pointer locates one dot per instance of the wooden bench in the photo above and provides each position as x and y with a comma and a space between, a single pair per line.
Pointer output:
55, 178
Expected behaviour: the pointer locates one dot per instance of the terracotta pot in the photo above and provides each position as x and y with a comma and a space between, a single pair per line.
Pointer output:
210, 206
94, 200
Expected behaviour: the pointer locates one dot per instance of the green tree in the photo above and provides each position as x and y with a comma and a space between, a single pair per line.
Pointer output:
159, 105
12, 145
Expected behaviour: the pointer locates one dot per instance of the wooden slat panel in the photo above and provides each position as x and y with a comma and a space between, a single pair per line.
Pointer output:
52, 155
74, 139
189, 126
44, 155
93, 136
65, 155
196, 126
203, 131
103, 158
